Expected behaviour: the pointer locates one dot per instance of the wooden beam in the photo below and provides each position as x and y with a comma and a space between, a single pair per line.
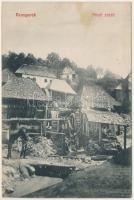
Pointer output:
119, 129
99, 133
34, 119
57, 126
125, 134
41, 129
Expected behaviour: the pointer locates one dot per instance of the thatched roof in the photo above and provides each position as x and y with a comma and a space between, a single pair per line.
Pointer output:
36, 70
94, 96
22, 88
61, 86
104, 117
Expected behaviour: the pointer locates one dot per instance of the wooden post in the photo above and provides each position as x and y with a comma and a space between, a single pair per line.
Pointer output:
99, 132
119, 129
46, 111
83, 123
125, 133
41, 128
44, 123
58, 126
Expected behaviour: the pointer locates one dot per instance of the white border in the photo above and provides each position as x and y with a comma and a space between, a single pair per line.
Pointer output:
132, 94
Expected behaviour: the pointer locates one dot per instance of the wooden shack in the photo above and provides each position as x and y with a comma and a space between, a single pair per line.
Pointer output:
98, 120
22, 98
99, 113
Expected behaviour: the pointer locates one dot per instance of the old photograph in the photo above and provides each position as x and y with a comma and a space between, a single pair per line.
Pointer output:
66, 99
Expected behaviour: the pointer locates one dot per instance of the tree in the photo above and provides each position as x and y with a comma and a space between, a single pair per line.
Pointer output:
91, 72
54, 61
11, 61
109, 81
99, 72
65, 62
42, 62
30, 59
4, 61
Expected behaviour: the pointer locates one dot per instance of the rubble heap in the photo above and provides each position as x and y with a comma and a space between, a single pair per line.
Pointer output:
41, 147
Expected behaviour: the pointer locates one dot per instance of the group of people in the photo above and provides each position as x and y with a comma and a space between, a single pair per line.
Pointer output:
21, 133
71, 129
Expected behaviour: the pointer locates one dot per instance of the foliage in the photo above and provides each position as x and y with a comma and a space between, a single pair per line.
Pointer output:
109, 81
91, 72
13, 61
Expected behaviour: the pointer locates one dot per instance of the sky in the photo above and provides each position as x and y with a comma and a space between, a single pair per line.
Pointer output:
79, 31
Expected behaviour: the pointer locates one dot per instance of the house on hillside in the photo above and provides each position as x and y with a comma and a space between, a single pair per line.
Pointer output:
40, 74
68, 74
124, 90
55, 89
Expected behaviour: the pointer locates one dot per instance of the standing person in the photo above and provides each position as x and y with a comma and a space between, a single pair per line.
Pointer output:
22, 133
24, 137
12, 138
104, 132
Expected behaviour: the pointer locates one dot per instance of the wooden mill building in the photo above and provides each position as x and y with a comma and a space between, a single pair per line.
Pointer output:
22, 99
99, 113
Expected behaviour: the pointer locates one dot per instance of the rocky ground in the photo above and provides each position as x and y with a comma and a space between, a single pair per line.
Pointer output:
96, 177
16, 171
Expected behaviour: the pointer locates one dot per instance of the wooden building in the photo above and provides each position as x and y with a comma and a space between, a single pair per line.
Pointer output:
98, 120
68, 74
98, 109
42, 75
22, 99
61, 92
94, 96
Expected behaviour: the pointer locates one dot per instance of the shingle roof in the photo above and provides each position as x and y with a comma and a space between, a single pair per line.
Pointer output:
94, 96
22, 88
104, 117
61, 86
36, 70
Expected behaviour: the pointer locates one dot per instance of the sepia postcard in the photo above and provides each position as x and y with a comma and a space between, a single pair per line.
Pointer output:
66, 99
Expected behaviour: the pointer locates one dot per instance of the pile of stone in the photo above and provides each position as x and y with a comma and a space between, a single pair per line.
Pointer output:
10, 174
41, 147
13, 173
94, 148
